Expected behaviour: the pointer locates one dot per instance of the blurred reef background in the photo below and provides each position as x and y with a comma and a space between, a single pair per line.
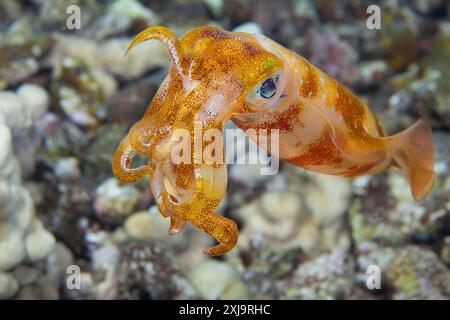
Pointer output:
67, 97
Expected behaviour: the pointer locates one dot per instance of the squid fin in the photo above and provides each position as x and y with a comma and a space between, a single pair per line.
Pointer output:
413, 152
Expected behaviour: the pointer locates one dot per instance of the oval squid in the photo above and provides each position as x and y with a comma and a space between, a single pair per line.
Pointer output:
216, 75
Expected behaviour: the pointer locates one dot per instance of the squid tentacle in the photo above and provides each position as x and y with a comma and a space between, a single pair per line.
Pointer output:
123, 158
170, 40
140, 136
209, 189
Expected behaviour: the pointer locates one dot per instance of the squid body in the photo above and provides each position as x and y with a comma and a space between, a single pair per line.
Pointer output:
216, 75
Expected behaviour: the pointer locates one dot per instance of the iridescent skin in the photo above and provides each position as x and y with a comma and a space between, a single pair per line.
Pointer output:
215, 76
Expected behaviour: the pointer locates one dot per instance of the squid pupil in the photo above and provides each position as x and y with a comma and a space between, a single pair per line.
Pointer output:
268, 88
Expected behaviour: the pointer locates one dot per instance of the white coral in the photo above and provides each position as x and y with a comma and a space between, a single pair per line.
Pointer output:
22, 235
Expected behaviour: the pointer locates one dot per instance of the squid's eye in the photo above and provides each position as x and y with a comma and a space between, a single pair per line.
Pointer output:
268, 88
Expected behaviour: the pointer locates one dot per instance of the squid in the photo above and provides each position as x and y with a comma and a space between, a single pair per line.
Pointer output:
216, 76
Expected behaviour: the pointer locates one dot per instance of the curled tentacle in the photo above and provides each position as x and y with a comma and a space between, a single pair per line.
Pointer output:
123, 158
224, 230
210, 185
169, 39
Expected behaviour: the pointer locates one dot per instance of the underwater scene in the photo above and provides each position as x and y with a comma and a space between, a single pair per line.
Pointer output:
224, 150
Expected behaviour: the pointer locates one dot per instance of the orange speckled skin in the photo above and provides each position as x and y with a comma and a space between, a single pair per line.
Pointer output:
214, 77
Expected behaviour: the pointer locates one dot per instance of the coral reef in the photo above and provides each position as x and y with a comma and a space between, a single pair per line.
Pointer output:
416, 273
23, 238
67, 97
